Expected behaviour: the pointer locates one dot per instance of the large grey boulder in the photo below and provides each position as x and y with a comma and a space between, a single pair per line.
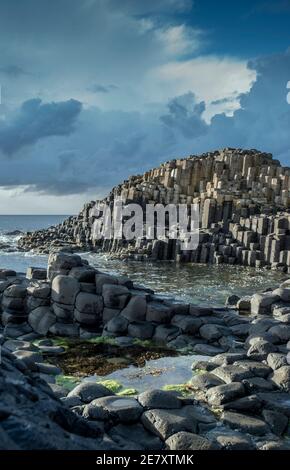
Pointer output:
89, 303
117, 325
165, 423
123, 409
244, 423
135, 437
41, 320
225, 393
115, 296
261, 303
281, 377
89, 391
83, 274
159, 399
136, 309
141, 330
188, 324
166, 333
64, 329
157, 312
64, 289
102, 279
213, 332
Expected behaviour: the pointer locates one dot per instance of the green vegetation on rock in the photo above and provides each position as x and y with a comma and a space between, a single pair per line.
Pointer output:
67, 381
112, 385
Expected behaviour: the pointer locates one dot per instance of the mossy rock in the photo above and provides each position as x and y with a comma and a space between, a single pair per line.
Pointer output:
112, 385
102, 340
183, 389
127, 392
69, 382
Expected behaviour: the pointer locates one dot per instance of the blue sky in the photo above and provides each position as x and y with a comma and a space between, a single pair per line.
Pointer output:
95, 90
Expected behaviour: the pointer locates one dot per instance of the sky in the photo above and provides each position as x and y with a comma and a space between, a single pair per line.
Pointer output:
93, 91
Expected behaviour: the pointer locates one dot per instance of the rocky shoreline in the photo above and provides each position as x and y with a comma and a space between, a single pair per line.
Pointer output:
237, 399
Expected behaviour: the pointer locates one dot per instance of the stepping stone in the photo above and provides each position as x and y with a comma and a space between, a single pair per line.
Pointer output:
225, 393
89, 391
126, 410
159, 399
258, 369
245, 423
205, 381
232, 373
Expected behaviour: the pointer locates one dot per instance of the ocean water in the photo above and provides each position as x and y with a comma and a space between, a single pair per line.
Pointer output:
10, 257
205, 285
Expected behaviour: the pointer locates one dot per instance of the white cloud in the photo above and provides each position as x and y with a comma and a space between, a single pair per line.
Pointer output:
179, 39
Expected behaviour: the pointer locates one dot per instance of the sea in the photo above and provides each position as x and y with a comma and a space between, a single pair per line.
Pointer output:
197, 283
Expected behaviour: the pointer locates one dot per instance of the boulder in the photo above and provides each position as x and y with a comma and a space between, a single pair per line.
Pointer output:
244, 423
276, 421
187, 324
159, 399
123, 409
257, 369
165, 423
276, 360
213, 332
115, 296
136, 309
261, 303
283, 293
232, 373
141, 330
157, 312
118, 324
166, 333
102, 279
205, 381
135, 437
64, 329
282, 332
41, 320
225, 393
188, 441
89, 391
83, 274
64, 289
89, 303
281, 377
257, 384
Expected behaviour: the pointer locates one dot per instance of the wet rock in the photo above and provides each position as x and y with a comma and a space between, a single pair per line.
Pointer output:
282, 332
232, 300
14, 345
136, 309
188, 441
197, 311
257, 384
244, 423
283, 293
102, 279
41, 320
64, 289
165, 423
231, 440
159, 399
205, 381
89, 391
252, 404
125, 410
135, 437
225, 393
258, 369
276, 421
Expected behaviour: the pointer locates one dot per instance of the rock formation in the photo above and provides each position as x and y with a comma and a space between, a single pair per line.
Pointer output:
244, 200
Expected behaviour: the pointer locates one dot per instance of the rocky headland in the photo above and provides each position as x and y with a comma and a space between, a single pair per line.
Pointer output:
244, 203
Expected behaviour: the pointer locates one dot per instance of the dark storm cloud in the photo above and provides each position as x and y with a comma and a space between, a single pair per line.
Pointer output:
36, 120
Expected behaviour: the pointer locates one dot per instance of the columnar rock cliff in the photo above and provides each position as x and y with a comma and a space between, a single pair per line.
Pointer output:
244, 199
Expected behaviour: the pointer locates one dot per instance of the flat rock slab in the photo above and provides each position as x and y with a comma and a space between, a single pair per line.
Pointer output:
188, 441
225, 393
205, 381
207, 349
89, 391
257, 369
159, 399
232, 373
245, 423
258, 384
165, 423
231, 440
125, 410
